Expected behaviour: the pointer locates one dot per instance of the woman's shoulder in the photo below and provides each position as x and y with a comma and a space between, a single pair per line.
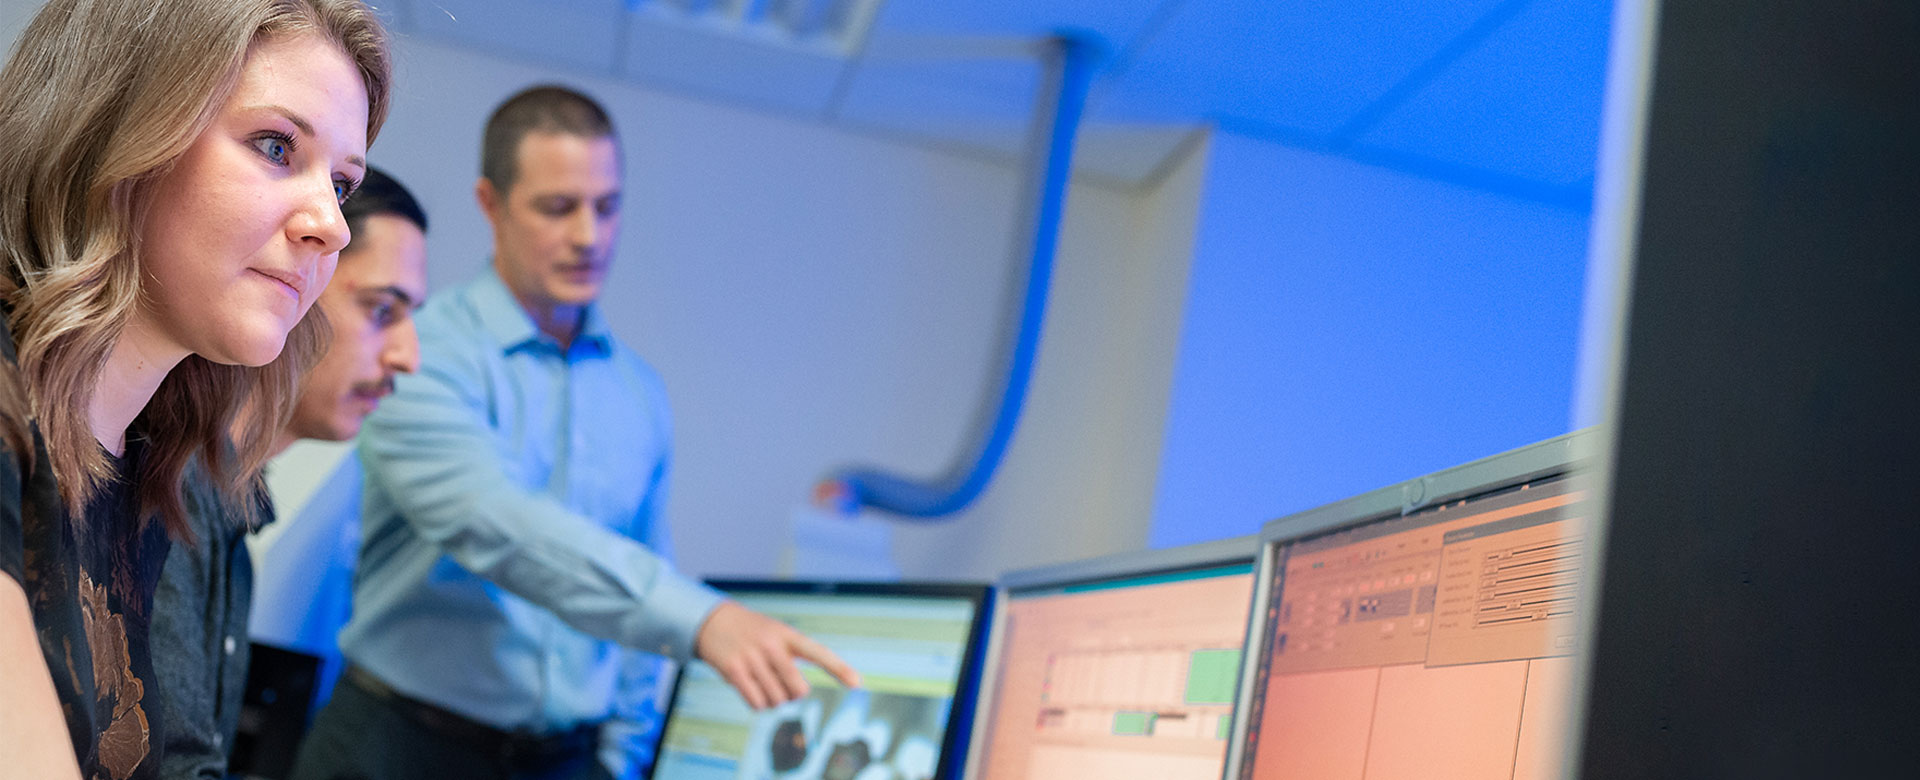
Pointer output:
18, 436
23, 468
28, 492
7, 348
6, 339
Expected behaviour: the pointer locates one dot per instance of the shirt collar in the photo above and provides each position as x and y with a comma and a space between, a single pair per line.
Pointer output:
512, 328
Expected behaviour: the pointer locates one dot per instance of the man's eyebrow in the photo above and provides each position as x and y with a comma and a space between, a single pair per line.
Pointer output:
405, 299
305, 127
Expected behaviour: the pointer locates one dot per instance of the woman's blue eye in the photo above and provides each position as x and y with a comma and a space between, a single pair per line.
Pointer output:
275, 148
341, 189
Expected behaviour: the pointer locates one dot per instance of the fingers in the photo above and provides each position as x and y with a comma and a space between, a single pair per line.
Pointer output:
805, 647
767, 666
759, 656
740, 675
788, 670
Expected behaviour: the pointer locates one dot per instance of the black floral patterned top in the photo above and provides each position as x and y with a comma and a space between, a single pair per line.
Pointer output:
91, 595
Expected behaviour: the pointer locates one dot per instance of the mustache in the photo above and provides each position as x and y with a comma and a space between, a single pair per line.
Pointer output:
379, 388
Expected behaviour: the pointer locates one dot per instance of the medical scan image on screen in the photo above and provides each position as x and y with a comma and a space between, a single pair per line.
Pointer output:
1124, 678
1436, 645
909, 652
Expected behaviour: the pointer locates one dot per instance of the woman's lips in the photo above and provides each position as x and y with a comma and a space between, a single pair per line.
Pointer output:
294, 282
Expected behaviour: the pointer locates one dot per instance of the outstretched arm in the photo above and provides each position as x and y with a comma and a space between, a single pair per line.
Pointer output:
429, 449
432, 452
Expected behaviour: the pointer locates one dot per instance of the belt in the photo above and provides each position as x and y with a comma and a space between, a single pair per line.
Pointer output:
519, 743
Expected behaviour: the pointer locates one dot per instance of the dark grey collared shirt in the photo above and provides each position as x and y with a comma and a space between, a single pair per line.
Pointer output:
199, 637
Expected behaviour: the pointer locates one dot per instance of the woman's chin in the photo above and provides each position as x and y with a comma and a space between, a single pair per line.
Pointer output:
251, 352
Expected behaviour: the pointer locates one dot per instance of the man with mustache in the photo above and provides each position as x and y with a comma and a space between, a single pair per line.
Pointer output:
199, 635
513, 537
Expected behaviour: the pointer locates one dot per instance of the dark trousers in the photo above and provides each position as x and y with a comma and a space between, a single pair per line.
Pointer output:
366, 735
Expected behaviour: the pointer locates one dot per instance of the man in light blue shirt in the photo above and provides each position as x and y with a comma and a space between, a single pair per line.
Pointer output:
511, 488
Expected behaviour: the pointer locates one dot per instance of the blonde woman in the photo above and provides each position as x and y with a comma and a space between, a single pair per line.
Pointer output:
170, 182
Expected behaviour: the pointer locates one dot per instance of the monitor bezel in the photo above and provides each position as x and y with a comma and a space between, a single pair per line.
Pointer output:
1137, 563
1559, 456
953, 744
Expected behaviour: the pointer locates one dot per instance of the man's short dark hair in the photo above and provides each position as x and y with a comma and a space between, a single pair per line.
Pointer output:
379, 193
543, 109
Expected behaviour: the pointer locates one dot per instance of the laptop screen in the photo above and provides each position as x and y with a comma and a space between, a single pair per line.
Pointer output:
916, 649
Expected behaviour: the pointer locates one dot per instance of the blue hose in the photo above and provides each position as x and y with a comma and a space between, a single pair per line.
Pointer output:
1072, 61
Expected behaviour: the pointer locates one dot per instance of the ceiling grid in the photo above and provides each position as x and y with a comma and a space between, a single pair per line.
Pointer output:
1493, 94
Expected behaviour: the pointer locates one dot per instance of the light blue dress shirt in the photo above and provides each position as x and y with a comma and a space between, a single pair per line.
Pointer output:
510, 485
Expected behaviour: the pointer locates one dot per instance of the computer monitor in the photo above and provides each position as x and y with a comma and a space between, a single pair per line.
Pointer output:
281, 684
917, 648
1119, 667
1424, 630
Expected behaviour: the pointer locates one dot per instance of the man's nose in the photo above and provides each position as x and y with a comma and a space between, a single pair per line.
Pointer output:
401, 352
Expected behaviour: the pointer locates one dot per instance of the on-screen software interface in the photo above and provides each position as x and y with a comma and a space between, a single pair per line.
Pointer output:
1435, 645
1123, 678
911, 652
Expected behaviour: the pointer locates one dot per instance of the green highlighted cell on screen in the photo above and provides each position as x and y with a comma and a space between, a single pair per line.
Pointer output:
1211, 675
706, 737
1132, 724
881, 683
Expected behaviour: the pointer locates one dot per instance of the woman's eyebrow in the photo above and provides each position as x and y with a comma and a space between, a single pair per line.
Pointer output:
288, 113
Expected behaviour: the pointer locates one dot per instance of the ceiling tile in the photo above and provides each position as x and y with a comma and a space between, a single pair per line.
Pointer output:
1525, 103
1117, 21
730, 66
892, 80
962, 90
975, 106
577, 33
984, 106
1308, 65
1518, 98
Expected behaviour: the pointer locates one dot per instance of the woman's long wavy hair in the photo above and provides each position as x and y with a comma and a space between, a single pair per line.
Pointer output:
101, 98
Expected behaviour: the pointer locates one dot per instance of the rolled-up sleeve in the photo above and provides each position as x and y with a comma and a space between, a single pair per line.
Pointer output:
432, 452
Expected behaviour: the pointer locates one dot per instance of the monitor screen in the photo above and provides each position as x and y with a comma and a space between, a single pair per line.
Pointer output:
1438, 644
916, 648
1130, 676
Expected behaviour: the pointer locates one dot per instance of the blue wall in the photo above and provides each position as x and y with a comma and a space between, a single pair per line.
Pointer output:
1348, 326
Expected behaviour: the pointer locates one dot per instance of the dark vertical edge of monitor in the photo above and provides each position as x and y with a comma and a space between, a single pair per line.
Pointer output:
1252, 654
989, 686
963, 711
